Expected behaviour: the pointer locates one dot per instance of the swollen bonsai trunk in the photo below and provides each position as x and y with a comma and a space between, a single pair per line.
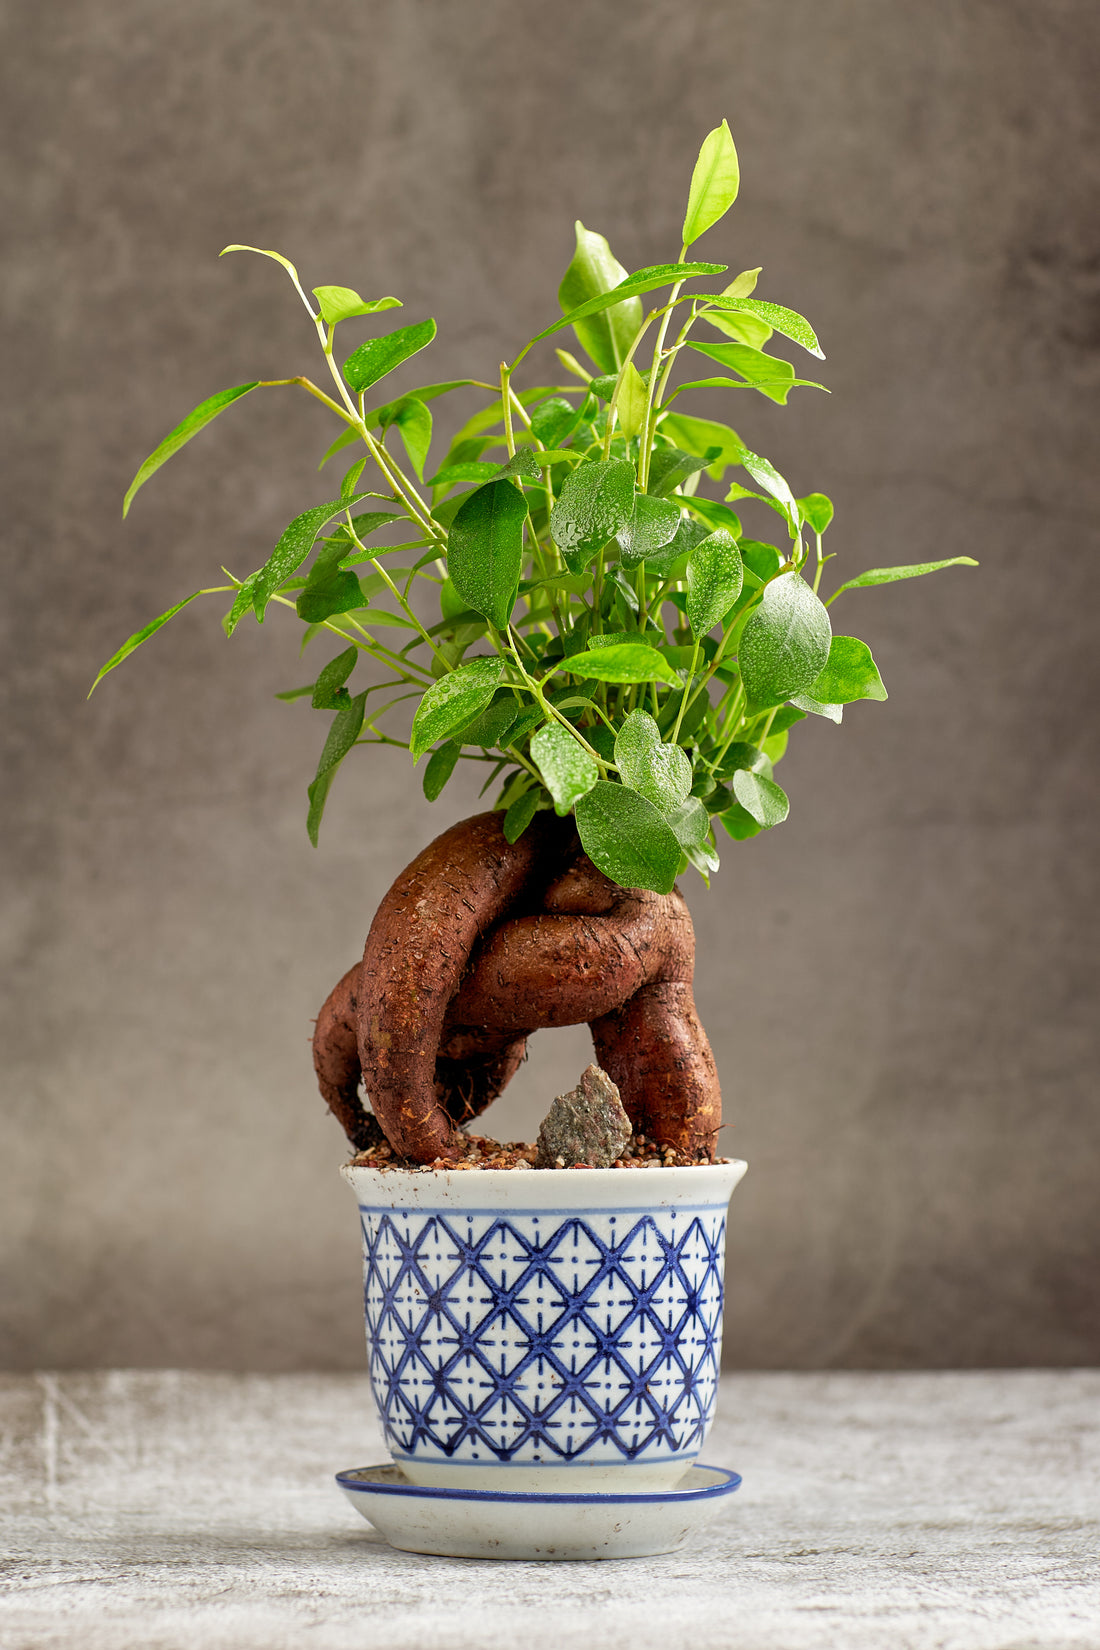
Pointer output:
481, 942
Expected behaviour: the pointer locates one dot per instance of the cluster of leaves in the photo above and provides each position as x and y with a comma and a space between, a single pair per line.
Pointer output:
610, 641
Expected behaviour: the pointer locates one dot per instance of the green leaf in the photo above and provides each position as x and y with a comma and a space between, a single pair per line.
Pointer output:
344, 439
741, 755
346, 727
632, 402
493, 726
739, 824
293, 547
767, 476
330, 593
654, 524
714, 183
555, 421
595, 502
347, 486
593, 272
453, 701
441, 765
521, 813
626, 838
659, 772
782, 320
814, 707
340, 303
743, 328
850, 674
643, 280
414, 423
378, 356
762, 559
785, 642
817, 510
691, 824
485, 549
566, 767
769, 374
700, 435
332, 678
714, 579
742, 285
670, 466
243, 602
761, 798
715, 515
889, 575
140, 636
623, 662
192, 424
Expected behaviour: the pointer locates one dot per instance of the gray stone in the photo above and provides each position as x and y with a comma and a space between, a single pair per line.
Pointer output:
588, 1125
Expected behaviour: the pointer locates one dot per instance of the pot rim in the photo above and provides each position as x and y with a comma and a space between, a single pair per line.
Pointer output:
636, 1188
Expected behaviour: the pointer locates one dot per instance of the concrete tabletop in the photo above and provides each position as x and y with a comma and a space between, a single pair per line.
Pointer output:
157, 1511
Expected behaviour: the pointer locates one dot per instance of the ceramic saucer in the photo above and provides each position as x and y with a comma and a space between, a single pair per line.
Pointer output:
509, 1524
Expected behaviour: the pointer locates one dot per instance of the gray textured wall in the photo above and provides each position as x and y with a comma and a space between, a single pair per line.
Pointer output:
896, 983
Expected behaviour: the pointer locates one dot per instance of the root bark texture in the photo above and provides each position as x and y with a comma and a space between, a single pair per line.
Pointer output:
481, 942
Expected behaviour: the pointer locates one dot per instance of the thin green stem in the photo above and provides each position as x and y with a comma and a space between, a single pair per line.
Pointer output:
536, 688
674, 737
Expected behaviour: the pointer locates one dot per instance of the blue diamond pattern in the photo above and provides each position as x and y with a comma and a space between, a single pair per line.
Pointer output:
544, 1337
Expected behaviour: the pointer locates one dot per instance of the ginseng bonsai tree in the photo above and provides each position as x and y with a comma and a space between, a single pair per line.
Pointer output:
563, 602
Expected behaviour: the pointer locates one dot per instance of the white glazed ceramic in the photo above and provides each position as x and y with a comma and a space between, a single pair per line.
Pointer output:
544, 1331
477, 1524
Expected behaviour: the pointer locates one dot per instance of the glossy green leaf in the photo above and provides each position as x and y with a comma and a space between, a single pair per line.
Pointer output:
741, 755
485, 549
340, 303
743, 285
332, 592
715, 515
346, 727
815, 707
441, 765
889, 575
378, 356
632, 401
739, 824
492, 727
627, 839
413, 421
654, 524
383, 414
596, 501
767, 476
700, 435
293, 547
783, 320
332, 678
344, 439
714, 579
555, 420
658, 771
623, 662
243, 602
194, 422
762, 559
850, 673
347, 486
566, 767
520, 814
690, 823
643, 280
670, 467
454, 701
594, 271
769, 374
714, 183
738, 325
817, 510
472, 469
761, 798
139, 636
785, 642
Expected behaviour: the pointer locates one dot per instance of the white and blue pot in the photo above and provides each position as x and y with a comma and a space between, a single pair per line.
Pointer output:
544, 1331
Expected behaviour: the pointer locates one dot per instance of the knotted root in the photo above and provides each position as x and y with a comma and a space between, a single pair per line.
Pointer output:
480, 942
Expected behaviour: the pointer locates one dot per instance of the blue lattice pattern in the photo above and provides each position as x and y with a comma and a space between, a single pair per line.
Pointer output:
544, 1337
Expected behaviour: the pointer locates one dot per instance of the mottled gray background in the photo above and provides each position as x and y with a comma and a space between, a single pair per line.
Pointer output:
896, 983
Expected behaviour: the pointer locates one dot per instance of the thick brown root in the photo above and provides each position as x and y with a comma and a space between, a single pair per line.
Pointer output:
480, 942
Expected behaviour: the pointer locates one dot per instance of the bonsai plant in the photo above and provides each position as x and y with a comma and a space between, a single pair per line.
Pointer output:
562, 600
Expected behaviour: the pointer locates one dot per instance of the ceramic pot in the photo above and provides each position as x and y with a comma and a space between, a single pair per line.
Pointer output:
544, 1330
